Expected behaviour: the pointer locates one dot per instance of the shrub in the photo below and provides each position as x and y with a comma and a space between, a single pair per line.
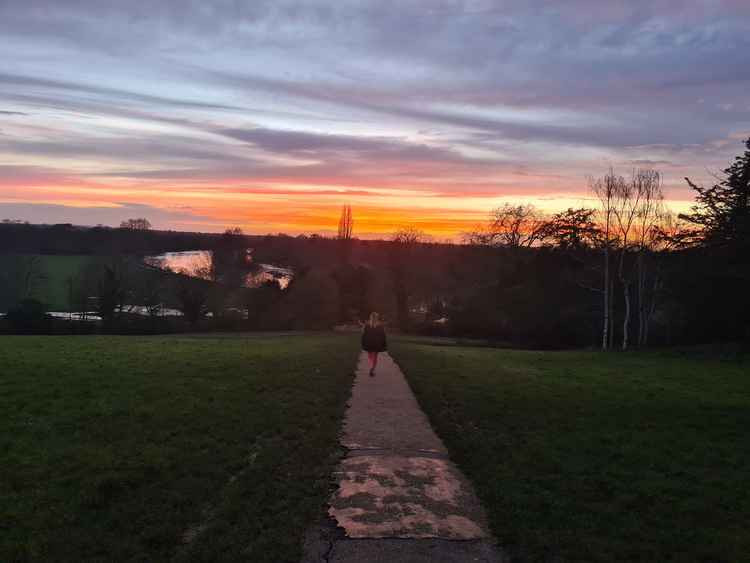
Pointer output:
30, 315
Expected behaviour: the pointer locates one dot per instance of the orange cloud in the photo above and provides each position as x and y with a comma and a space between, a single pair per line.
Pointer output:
292, 205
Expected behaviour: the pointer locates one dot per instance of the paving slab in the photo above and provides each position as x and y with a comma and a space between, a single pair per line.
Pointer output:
394, 496
399, 497
384, 414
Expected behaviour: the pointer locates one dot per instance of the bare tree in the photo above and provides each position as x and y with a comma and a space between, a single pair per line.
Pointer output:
668, 233
346, 223
606, 190
139, 224
627, 201
511, 226
648, 216
409, 236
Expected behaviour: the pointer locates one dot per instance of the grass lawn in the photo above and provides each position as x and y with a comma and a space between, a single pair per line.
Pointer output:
594, 457
121, 448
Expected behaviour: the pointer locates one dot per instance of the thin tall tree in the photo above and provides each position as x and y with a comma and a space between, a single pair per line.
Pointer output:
606, 190
648, 216
346, 223
627, 203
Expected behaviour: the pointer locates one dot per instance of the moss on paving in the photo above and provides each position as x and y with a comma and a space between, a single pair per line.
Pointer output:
596, 457
118, 448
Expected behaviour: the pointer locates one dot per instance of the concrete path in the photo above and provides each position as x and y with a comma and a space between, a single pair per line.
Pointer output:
399, 498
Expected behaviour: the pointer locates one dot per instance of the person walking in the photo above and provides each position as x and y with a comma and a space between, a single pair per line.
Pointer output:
373, 340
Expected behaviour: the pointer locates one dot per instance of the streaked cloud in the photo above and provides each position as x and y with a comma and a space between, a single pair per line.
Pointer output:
271, 114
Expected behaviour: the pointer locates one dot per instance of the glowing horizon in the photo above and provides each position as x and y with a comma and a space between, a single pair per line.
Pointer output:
272, 116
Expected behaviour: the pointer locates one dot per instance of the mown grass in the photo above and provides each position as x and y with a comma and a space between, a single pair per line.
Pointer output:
584, 456
120, 448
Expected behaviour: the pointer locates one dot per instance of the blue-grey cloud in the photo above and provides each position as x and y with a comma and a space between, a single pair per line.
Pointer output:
324, 145
89, 216
401, 90
26, 82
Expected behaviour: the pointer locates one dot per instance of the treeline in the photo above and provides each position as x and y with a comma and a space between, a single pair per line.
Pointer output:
64, 238
625, 273
628, 270
125, 294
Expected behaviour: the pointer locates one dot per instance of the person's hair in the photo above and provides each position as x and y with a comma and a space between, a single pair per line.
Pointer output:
374, 319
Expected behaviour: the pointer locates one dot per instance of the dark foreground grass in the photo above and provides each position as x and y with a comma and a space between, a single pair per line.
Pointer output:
159, 448
593, 457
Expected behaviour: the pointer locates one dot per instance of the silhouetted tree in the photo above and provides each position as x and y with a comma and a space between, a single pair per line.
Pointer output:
192, 298
630, 211
346, 223
310, 301
722, 214
353, 284
723, 210
403, 243
346, 229
510, 226
628, 204
261, 305
139, 224
111, 290
149, 292
649, 215
230, 261
571, 229
606, 190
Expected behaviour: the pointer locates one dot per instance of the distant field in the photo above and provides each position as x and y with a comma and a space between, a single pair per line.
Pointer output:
152, 448
57, 271
593, 457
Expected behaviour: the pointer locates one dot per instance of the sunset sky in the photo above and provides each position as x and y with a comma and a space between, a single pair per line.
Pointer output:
200, 115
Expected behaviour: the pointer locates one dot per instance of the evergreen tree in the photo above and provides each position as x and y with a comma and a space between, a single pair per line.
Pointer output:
723, 210
723, 215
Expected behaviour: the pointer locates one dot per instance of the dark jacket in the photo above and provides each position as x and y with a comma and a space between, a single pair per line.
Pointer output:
373, 339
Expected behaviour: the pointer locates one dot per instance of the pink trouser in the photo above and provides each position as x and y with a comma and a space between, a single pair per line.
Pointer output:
372, 357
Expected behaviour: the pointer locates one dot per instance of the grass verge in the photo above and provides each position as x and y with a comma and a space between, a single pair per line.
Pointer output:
596, 457
157, 448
